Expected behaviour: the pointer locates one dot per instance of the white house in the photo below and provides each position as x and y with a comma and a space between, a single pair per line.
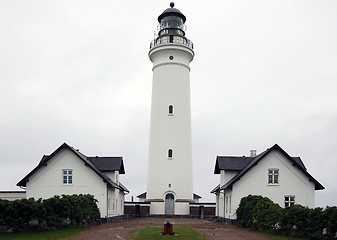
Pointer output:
272, 173
68, 171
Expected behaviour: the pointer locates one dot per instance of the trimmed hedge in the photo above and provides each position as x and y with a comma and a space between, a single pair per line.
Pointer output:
261, 213
51, 213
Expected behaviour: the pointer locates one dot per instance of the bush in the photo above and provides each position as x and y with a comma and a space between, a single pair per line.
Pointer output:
52, 213
261, 213
258, 211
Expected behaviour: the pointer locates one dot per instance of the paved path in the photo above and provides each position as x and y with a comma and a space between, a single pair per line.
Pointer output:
125, 229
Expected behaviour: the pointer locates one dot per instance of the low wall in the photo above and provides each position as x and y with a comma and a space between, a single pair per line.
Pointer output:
197, 210
12, 195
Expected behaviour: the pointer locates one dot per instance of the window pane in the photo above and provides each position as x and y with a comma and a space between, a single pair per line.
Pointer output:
70, 172
270, 179
276, 179
270, 171
70, 179
170, 153
276, 171
170, 109
64, 172
286, 198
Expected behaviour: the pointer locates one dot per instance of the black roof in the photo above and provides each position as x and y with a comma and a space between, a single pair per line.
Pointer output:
196, 195
88, 162
244, 164
106, 164
230, 163
143, 195
171, 12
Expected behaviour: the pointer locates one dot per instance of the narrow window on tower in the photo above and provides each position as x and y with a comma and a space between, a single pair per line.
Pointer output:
170, 154
170, 110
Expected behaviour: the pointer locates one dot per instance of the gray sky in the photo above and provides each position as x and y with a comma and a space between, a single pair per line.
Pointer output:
264, 72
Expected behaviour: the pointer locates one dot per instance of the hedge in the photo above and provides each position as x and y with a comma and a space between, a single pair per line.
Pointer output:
51, 213
261, 213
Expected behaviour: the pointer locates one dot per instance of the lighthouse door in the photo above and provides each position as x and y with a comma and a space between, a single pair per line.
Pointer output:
169, 203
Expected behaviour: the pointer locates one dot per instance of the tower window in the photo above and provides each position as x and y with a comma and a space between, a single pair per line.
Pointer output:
169, 153
171, 110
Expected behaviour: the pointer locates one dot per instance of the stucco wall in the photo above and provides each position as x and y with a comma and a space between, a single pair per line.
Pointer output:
48, 180
292, 181
12, 195
171, 86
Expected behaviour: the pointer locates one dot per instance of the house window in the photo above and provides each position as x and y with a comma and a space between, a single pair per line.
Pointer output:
289, 201
273, 176
169, 153
67, 176
170, 110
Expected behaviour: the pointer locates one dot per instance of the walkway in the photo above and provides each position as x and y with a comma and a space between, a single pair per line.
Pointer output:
125, 229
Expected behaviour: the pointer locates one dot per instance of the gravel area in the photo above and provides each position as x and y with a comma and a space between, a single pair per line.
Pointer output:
124, 230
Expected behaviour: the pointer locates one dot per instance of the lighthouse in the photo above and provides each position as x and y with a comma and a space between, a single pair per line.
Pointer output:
170, 172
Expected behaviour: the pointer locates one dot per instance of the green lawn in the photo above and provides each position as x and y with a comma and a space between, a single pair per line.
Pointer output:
280, 237
185, 233
43, 235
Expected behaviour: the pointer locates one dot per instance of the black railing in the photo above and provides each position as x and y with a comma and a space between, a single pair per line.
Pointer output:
171, 39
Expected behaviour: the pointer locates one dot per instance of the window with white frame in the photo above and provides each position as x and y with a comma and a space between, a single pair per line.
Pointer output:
273, 174
289, 201
67, 176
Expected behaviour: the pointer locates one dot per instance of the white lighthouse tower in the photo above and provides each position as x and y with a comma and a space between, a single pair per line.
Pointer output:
170, 178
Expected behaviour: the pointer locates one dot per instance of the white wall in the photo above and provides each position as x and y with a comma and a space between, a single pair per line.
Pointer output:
12, 195
171, 86
157, 208
48, 180
292, 181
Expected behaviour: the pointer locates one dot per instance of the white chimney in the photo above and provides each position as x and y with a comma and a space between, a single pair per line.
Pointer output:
252, 153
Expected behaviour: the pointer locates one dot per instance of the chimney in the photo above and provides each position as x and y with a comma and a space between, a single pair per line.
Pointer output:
252, 153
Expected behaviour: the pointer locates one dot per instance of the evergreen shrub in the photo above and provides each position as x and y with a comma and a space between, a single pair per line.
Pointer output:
261, 213
51, 213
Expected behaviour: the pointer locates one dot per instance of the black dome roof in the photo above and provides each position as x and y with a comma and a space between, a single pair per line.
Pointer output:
171, 12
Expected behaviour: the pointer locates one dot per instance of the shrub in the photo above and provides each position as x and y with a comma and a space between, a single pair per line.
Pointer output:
261, 213
52, 213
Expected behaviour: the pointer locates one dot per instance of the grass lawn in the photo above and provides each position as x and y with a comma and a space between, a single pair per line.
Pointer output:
185, 233
43, 235
280, 237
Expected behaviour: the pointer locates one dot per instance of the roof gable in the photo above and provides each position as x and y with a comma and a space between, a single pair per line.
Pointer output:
82, 157
296, 161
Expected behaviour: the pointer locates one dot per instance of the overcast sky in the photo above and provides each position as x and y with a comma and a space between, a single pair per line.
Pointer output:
264, 72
